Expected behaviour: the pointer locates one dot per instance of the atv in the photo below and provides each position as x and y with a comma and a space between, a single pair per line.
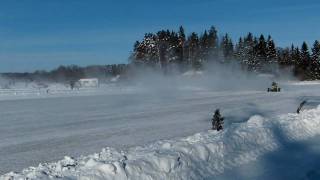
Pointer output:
274, 87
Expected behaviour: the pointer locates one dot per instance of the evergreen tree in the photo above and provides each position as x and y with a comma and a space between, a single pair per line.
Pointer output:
230, 48
217, 121
162, 46
194, 50
315, 60
315, 51
136, 46
240, 51
173, 54
250, 52
292, 55
302, 66
305, 56
296, 56
146, 52
227, 47
284, 57
271, 51
261, 51
204, 46
262, 47
134, 56
272, 56
213, 43
181, 44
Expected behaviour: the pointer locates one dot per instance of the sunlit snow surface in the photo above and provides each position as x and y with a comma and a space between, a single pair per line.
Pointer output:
134, 122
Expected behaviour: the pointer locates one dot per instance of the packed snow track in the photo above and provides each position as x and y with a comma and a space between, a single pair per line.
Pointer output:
46, 128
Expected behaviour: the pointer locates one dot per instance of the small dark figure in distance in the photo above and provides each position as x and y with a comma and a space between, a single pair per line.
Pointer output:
300, 106
274, 87
72, 84
217, 121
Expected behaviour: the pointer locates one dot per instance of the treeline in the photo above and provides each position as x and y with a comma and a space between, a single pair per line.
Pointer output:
171, 50
71, 73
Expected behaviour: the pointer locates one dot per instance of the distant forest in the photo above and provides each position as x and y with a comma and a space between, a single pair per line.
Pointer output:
167, 50
72, 73
173, 51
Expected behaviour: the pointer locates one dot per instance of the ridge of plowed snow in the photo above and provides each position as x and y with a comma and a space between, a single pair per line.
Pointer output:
200, 156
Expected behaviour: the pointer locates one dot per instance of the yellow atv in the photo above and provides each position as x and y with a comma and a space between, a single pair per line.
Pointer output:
274, 87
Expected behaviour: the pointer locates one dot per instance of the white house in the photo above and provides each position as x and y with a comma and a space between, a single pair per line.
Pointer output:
91, 82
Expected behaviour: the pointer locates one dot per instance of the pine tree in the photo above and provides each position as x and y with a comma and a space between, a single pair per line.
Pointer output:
193, 41
261, 51
292, 55
284, 57
315, 60
305, 56
162, 47
262, 47
181, 45
146, 52
271, 51
302, 67
230, 48
136, 46
217, 121
227, 47
271, 56
213, 43
297, 56
250, 52
204, 46
240, 51
134, 56
173, 54
316, 51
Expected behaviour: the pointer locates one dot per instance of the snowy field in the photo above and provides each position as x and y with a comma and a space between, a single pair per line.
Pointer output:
150, 134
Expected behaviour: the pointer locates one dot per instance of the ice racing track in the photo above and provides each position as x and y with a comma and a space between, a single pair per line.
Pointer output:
38, 130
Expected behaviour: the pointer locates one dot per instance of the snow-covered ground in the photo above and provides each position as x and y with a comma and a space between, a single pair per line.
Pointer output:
134, 123
33, 91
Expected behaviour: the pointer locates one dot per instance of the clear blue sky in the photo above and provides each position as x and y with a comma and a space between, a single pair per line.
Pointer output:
42, 34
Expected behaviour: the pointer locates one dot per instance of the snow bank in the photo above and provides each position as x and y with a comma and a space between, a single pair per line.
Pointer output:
200, 156
300, 126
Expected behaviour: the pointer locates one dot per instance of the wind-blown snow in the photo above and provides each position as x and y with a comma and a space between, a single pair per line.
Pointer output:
203, 155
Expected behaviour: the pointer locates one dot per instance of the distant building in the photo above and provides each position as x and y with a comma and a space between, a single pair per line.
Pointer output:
92, 82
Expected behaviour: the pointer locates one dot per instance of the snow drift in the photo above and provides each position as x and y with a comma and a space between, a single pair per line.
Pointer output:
200, 156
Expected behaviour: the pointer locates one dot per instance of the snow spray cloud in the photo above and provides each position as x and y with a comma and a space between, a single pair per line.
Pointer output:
213, 77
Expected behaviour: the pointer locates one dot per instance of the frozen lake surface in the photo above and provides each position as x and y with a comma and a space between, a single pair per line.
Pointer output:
36, 129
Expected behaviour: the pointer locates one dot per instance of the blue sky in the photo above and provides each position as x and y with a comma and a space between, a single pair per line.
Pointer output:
42, 34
